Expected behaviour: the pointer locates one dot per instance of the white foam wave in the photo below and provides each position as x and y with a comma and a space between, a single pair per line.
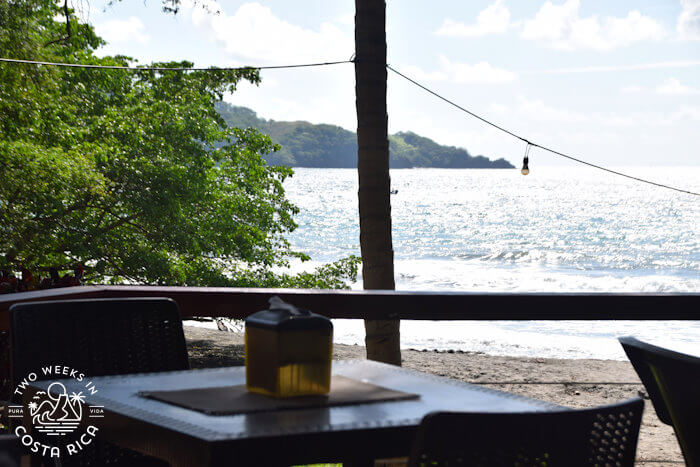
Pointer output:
556, 230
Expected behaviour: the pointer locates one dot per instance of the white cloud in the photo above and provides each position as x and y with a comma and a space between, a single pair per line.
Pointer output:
615, 120
478, 73
561, 27
631, 89
494, 19
686, 113
419, 74
462, 73
536, 109
255, 34
635, 27
674, 87
613, 68
495, 107
131, 29
689, 20
346, 20
324, 97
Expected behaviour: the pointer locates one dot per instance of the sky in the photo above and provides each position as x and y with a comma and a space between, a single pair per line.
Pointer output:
614, 83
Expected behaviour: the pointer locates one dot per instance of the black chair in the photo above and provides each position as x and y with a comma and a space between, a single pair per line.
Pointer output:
10, 451
672, 380
99, 337
589, 437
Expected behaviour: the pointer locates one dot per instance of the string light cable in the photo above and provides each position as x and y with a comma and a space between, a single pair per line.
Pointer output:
352, 59
530, 144
158, 68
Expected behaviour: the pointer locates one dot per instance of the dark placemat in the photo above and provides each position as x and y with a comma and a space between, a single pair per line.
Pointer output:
232, 400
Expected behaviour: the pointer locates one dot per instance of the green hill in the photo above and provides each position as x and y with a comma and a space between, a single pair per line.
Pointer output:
307, 145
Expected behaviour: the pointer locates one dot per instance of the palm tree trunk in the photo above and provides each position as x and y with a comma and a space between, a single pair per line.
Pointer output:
382, 337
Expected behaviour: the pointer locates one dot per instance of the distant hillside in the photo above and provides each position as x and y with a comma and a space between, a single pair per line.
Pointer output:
307, 145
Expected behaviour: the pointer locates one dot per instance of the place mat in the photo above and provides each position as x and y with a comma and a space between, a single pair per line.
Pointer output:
232, 400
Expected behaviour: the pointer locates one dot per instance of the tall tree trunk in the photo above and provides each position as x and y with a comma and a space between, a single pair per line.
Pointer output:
382, 337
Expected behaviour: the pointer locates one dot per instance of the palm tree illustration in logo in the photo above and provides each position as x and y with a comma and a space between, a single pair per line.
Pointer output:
54, 412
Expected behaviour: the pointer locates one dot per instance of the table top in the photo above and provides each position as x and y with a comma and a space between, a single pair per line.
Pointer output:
120, 394
186, 438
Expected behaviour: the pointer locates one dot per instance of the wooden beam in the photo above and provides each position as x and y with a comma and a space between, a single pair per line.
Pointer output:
390, 304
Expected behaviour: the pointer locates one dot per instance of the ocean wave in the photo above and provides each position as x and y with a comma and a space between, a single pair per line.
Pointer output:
557, 230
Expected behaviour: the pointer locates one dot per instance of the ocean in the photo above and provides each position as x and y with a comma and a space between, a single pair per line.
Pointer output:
559, 229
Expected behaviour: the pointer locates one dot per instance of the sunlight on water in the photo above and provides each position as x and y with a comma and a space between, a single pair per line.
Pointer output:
556, 230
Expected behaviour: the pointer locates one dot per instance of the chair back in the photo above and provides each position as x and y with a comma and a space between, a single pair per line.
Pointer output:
10, 451
598, 436
672, 380
98, 337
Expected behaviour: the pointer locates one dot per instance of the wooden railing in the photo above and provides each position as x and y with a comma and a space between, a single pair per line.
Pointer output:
389, 304
377, 304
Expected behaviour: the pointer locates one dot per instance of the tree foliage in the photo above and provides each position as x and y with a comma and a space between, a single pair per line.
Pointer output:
121, 171
307, 145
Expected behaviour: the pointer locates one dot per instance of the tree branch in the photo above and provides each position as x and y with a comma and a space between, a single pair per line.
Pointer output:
69, 33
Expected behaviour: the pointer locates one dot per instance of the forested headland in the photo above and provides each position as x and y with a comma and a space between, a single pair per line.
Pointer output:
306, 144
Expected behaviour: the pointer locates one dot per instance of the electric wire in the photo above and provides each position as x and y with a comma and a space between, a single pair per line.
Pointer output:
158, 68
488, 122
351, 60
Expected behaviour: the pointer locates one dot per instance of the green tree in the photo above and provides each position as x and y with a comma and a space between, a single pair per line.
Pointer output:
121, 171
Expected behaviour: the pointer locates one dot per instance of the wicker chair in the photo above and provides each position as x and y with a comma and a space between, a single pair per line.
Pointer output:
10, 451
598, 436
99, 337
672, 380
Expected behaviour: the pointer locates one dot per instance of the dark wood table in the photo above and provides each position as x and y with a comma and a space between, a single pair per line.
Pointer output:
354, 434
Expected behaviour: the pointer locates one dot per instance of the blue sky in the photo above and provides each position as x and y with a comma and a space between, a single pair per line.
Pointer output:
615, 83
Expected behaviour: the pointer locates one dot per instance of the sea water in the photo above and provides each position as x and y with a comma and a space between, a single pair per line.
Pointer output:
565, 229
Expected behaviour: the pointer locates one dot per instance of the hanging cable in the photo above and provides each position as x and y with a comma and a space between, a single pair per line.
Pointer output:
157, 68
529, 143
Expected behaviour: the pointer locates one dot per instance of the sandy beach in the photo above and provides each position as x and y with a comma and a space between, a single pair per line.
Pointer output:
572, 383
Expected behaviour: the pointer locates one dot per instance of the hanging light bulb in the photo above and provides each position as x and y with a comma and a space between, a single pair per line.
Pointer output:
526, 170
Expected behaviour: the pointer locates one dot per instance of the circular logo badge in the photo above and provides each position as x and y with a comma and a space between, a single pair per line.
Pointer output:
59, 416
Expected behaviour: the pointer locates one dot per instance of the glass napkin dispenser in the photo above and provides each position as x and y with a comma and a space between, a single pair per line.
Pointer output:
288, 351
